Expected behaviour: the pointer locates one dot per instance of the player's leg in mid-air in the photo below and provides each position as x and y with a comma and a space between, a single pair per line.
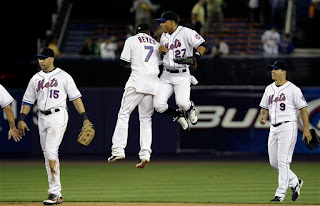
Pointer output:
182, 95
161, 105
146, 110
130, 100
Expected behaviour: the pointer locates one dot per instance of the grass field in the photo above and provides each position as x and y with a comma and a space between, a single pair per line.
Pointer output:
178, 182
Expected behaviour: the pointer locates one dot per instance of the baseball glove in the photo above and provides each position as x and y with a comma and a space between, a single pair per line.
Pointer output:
191, 61
314, 142
86, 134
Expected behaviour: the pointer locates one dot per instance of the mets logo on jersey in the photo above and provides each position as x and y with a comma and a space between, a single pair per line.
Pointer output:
282, 97
176, 44
198, 36
41, 84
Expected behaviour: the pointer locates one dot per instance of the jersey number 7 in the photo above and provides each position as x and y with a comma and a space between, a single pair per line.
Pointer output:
150, 48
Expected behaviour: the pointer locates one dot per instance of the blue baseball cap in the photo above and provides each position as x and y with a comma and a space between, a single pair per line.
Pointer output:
45, 53
279, 65
168, 15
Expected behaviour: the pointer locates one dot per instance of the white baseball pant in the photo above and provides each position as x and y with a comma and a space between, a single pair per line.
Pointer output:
130, 100
281, 144
51, 130
177, 83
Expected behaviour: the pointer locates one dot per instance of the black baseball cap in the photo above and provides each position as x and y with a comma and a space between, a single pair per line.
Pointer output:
279, 65
45, 52
143, 27
168, 15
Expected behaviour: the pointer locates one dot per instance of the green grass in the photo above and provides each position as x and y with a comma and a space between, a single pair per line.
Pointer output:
206, 182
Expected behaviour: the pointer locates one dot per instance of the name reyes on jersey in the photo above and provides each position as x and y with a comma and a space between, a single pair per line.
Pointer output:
144, 39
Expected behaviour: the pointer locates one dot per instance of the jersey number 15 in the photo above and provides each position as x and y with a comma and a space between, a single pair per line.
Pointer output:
54, 94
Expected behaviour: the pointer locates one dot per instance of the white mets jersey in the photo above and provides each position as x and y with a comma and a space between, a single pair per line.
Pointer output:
50, 90
180, 43
283, 102
141, 50
5, 97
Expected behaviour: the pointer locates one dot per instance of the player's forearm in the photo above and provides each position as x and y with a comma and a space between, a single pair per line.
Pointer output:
201, 50
25, 109
305, 118
78, 104
10, 116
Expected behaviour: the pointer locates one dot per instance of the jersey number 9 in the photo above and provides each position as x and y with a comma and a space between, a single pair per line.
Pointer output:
282, 106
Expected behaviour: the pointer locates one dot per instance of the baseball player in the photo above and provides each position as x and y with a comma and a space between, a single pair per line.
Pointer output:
281, 101
140, 52
177, 41
50, 88
5, 101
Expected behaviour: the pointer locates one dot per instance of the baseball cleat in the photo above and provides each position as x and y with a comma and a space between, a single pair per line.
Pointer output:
53, 200
115, 158
192, 114
277, 199
182, 121
142, 163
296, 190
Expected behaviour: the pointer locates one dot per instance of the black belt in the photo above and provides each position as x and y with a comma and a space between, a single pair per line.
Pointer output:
280, 123
176, 70
47, 112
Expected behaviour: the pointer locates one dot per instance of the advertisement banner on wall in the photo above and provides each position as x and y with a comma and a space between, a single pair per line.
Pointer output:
228, 120
228, 123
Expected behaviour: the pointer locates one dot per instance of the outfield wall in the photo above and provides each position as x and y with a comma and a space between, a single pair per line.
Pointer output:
227, 123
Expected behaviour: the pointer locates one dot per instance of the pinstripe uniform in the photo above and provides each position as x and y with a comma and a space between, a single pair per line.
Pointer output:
283, 103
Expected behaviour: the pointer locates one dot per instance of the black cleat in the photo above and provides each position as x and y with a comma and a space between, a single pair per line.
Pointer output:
115, 158
296, 190
181, 118
53, 200
277, 199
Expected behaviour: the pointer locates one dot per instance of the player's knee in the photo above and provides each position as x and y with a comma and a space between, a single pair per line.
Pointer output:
53, 166
160, 107
274, 163
183, 105
50, 154
146, 117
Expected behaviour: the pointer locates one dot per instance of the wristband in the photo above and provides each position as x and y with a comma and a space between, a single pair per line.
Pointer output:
21, 117
197, 55
84, 116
